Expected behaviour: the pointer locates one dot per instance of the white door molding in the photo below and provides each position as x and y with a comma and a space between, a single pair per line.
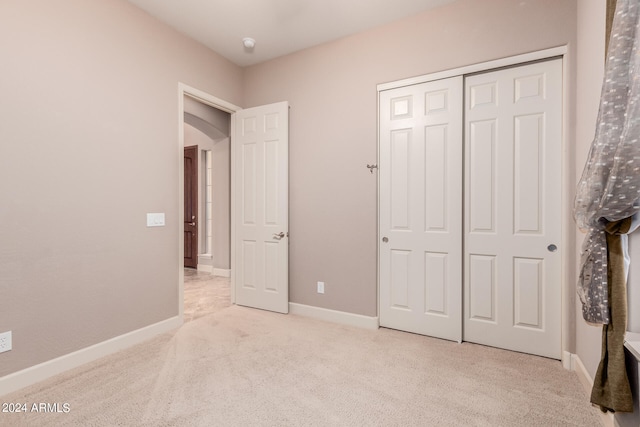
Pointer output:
478, 68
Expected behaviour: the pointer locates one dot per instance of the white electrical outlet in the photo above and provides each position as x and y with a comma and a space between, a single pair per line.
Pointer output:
321, 287
5, 341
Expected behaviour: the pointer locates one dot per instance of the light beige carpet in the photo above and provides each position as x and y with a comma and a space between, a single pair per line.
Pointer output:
246, 367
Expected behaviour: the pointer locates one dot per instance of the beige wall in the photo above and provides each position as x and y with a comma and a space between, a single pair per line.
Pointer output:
332, 92
219, 121
88, 146
221, 183
590, 69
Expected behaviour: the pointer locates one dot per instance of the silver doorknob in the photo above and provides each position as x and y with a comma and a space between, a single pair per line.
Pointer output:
385, 239
279, 235
552, 248
193, 224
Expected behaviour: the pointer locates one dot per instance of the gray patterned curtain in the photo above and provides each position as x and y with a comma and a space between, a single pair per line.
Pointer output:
607, 197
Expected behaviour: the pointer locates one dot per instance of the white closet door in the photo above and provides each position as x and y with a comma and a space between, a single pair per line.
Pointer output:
261, 205
512, 280
420, 172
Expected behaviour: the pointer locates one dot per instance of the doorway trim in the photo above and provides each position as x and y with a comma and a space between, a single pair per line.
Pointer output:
220, 104
568, 227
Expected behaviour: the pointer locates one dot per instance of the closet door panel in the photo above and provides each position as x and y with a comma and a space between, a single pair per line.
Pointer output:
513, 150
420, 172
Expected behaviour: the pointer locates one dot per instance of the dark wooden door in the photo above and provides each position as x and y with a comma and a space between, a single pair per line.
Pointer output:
191, 206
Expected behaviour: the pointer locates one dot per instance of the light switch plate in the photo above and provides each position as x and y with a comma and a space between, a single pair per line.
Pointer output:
155, 220
5, 342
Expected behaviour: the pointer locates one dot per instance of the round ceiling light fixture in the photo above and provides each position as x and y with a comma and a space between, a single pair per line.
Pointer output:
248, 42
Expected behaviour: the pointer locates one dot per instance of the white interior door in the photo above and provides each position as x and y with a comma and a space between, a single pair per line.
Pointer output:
420, 172
513, 152
260, 275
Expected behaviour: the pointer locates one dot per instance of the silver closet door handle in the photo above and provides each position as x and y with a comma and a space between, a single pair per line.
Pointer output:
279, 235
552, 248
385, 239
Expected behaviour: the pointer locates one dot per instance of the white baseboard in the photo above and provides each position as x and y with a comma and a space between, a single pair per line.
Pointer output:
206, 268
224, 272
335, 316
583, 375
587, 383
42, 371
567, 361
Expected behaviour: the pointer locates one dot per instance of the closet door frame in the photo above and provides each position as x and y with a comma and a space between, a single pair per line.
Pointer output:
568, 275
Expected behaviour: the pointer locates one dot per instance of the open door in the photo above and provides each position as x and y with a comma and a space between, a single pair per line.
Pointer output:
261, 207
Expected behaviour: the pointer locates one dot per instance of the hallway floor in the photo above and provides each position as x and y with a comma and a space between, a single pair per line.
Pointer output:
204, 293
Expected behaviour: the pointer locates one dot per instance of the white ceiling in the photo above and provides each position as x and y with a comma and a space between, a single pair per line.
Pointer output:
279, 27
